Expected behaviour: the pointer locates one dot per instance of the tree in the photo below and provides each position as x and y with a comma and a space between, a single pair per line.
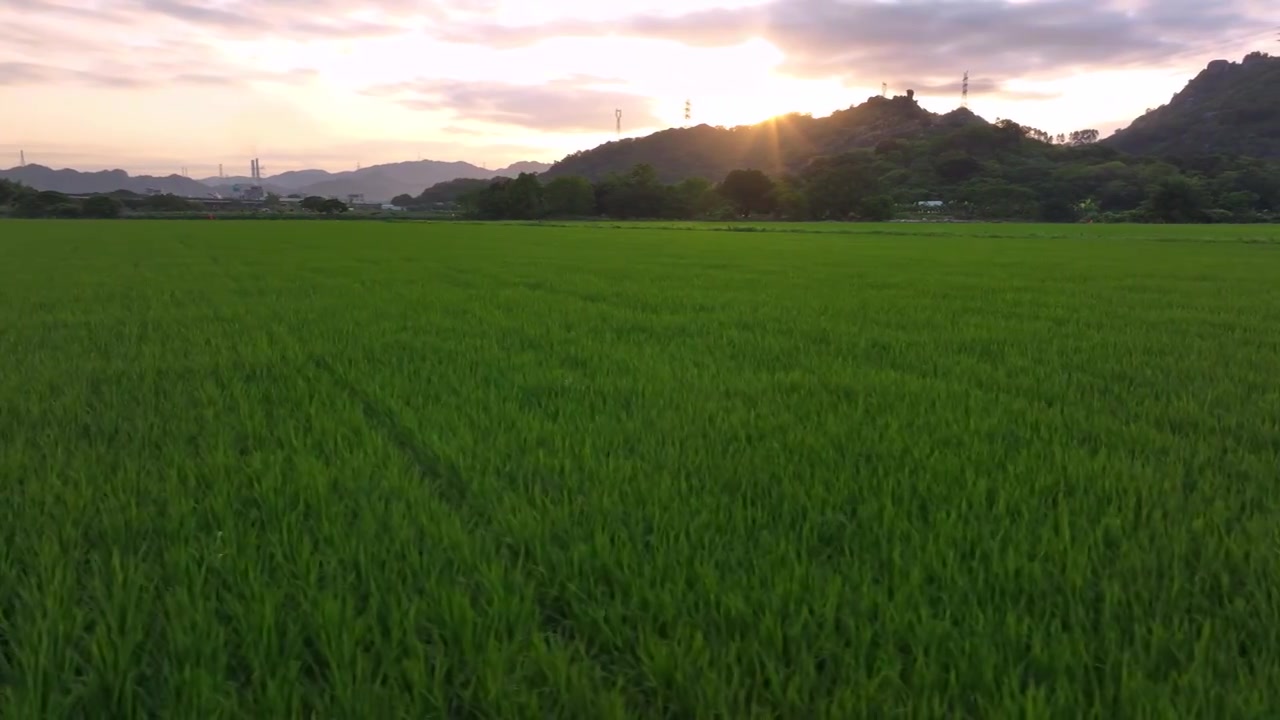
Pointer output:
834, 186
9, 191
167, 202
956, 166
504, 198
998, 199
402, 200
749, 191
570, 196
877, 208
643, 175
1175, 199
1083, 137
696, 197
793, 204
449, 191
524, 197
1057, 209
314, 203
1033, 133
45, 204
635, 194
272, 200
333, 206
102, 206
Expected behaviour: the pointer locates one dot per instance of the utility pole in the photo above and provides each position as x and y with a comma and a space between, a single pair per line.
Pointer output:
964, 91
617, 114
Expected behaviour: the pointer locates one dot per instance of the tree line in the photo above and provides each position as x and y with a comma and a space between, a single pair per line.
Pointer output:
1000, 171
26, 202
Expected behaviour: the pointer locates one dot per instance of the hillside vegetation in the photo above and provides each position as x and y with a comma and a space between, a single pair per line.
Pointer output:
778, 145
970, 170
1229, 108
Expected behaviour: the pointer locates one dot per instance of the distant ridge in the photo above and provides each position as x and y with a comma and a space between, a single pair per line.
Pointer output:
74, 182
377, 183
777, 145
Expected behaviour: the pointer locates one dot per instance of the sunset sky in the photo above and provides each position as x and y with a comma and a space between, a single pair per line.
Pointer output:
151, 86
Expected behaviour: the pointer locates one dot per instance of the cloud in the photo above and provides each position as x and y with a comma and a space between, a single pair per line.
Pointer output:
867, 40
240, 19
577, 103
32, 8
13, 74
977, 86
200, 14
21, 73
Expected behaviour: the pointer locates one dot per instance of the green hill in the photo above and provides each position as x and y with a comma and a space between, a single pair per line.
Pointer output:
779, 145
1228, 109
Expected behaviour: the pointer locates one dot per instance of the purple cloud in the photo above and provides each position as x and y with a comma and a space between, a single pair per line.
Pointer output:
868, 40
568, 104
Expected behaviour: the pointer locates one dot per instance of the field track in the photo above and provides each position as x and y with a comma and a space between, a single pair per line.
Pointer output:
373, 470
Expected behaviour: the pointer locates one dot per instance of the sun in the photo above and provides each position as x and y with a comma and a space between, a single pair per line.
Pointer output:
770, 97
749, 109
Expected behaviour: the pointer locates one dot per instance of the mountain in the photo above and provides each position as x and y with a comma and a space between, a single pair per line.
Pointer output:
1229, 108
383, 182
286, 181
74, 182
527, 166
378, 183
781, 144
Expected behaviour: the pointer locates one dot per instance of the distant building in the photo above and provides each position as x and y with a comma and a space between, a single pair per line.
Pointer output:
248, 192
930, 204
389, 206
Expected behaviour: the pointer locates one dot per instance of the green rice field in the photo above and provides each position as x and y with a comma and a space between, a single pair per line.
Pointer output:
433, 470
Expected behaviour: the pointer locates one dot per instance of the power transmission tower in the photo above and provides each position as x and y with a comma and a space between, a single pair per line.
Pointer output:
688, 111
617, 114
22, 158
964, 91
884, 89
